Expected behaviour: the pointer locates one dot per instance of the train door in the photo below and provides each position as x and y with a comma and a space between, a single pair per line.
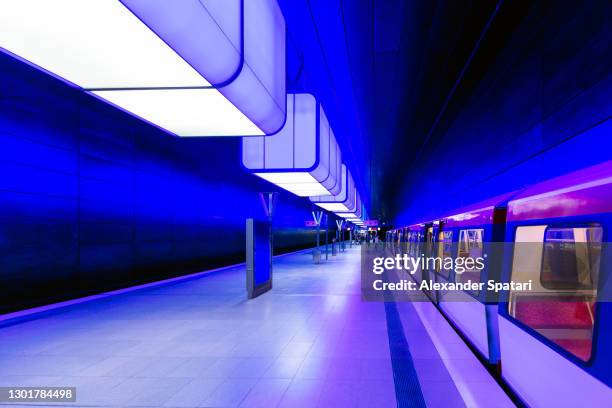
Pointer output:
444, 250
405, 241
428, 273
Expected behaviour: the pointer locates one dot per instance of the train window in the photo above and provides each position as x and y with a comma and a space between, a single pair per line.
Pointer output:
570, 257
445, 245
416, 243
409, 243
429, 235
563, 265
470, 245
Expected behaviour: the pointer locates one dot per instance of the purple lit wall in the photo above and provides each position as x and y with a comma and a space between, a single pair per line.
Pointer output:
94, 200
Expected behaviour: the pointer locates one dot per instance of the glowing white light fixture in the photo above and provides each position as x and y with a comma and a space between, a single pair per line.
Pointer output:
344, 201
357, 212
191, 67
303, 157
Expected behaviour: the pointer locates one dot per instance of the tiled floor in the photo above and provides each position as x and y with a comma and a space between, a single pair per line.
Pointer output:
310, 342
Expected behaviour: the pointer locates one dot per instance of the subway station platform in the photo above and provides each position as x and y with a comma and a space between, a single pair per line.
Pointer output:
310, 342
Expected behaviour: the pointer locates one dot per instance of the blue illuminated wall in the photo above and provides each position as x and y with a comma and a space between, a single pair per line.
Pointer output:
540, 108
92, 198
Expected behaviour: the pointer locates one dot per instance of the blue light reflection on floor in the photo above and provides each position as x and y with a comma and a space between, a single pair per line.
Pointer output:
200, 343
310, 342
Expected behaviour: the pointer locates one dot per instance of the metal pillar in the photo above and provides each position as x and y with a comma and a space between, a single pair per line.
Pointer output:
268, 201
326, 238
340, 225
317, 215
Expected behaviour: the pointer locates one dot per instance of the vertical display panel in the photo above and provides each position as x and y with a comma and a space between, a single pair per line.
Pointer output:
258, 257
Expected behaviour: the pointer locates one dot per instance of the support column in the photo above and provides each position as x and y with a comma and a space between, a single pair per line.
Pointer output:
317, 216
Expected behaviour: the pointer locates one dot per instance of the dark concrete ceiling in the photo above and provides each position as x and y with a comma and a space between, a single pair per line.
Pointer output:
383, 70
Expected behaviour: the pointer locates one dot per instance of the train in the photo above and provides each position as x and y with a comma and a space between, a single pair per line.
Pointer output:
549, 346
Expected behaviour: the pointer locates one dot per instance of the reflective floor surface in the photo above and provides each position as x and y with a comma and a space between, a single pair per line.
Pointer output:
310, 342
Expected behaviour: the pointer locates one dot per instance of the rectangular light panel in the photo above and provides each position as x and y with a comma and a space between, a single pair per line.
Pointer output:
290, 177
344, 201
333, 207
184, 112
346, 215
303, 157
300, 184
136, 58
92, 43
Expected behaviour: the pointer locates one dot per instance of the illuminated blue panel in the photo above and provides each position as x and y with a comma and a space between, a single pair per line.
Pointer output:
238, 46
345, 200
356, 212
193, 68
207, 34
303, 157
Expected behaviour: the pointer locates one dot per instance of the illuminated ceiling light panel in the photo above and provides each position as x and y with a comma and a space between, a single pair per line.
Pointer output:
344, 201
301, 184
303, 157
193, 68
356, 212
349, 216
182, 111
333, 207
